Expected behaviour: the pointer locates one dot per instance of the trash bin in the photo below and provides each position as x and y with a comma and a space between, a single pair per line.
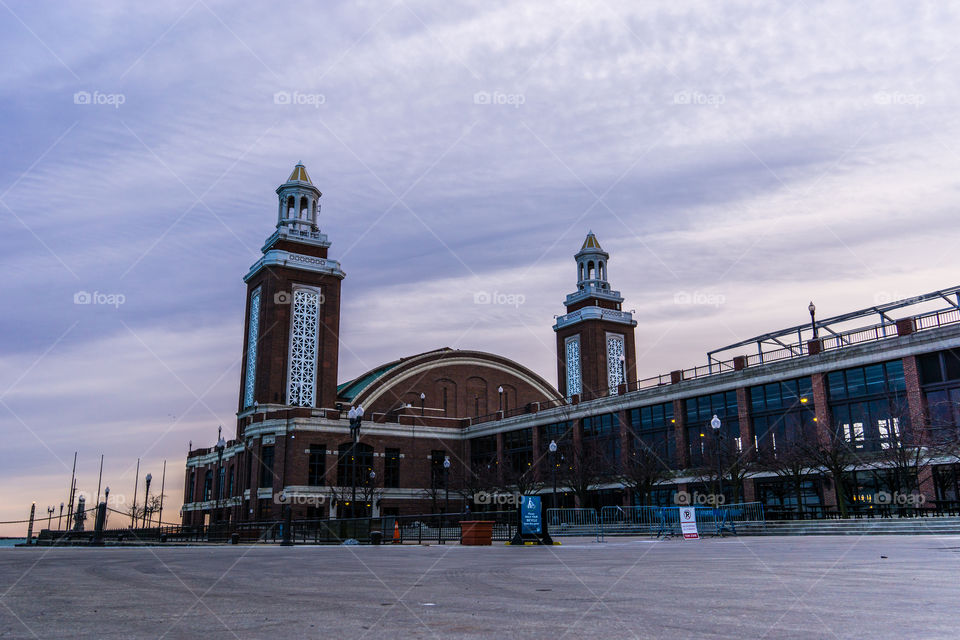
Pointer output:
234, 538
376, 537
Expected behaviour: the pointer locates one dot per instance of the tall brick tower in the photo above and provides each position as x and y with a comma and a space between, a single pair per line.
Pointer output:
595, 339
293, 308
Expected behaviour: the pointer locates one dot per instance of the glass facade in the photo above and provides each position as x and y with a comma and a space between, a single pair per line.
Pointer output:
868, 404
780, 496
559, 432
781, 412
603, 434
652, 429
699, 413
940, 380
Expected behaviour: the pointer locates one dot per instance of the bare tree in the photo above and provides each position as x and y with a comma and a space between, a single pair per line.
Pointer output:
474, 479
582, 469
367, 494
792, 462
644, 469
524, 480
835, 456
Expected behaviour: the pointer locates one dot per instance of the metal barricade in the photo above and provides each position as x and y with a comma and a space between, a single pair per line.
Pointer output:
573, 522
665, 521
646, 520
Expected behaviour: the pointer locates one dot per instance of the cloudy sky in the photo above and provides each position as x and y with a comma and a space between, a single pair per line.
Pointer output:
747, 156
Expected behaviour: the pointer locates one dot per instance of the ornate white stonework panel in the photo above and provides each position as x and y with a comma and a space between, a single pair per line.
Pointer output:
253, 335
615, 368
305, 321
574, 386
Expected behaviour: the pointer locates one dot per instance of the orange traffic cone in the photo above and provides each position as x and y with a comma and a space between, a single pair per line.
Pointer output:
396, 532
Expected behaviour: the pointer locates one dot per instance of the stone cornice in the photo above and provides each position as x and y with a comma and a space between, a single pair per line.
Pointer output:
290, 260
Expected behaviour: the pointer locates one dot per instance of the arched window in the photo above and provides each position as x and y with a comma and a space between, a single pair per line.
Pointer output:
590, 270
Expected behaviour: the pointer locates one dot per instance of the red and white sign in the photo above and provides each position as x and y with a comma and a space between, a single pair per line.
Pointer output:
688, 523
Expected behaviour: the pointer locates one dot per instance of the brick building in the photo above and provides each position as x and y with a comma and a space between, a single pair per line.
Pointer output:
872, 381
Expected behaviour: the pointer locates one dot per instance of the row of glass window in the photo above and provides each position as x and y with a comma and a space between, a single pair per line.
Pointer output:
871, 380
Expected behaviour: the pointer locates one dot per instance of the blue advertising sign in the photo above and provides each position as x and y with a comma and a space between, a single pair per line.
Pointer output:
530, 515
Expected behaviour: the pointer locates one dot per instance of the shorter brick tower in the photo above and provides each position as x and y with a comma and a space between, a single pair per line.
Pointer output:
596, 352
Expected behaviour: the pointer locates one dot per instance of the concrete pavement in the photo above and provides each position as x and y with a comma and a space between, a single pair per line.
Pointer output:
799, 587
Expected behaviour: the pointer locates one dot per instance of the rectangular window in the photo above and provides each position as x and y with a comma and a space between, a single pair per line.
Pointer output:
951, 364
317, 465
616, 364
253, 335
572, 347
208, 485
193, 483
653, 431
930, 370
872, 380
391, 468
266, 467
354, 464
483, 452
603, 433
436, 467
304, 326
518, 449
559, 432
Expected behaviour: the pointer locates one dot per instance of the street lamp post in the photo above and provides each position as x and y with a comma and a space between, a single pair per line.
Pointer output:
287, 538
715, 423
146, 498
553, 472
356, 416
812, 308
500, 392
50, 511
373, 476
422, 398
446, 483
221, 445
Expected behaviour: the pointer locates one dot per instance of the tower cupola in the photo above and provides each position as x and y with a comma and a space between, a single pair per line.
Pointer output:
299, 201
596, 355
592, 265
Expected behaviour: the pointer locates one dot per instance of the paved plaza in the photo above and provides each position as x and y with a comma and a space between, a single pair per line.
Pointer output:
789, 587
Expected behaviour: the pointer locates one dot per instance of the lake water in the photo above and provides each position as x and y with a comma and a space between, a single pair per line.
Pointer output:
9, 542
